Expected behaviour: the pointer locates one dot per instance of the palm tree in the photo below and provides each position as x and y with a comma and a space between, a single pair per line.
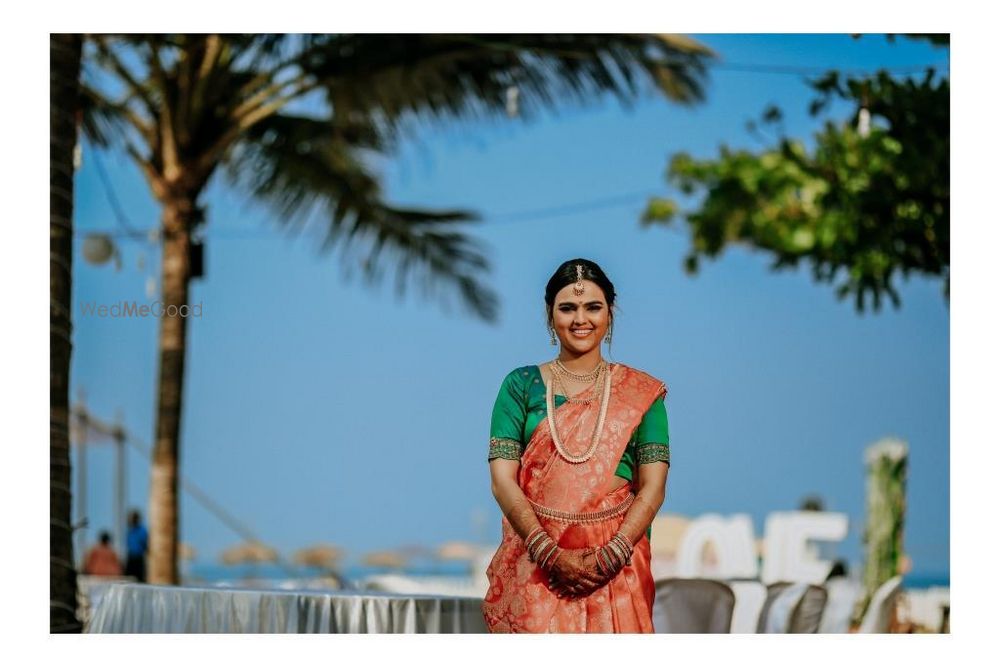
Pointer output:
183, 106
64, 73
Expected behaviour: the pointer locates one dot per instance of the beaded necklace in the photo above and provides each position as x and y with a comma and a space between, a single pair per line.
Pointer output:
598, 427
558, 377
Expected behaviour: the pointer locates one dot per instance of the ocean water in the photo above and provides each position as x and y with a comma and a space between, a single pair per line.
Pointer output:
212, 573
916, 580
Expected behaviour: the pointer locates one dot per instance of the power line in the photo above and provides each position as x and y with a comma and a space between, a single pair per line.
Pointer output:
528, 215
759, 68
116, 206
555, 211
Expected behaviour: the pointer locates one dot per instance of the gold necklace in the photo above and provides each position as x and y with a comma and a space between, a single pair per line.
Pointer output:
595, 438
557, 376
581, 377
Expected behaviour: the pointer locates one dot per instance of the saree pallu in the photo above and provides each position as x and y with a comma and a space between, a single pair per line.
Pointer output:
519, 598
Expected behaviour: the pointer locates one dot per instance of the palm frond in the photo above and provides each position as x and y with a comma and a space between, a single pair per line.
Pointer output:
102, 122
299, 165
468, 76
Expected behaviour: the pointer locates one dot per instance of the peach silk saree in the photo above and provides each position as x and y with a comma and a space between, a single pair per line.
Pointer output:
519, 598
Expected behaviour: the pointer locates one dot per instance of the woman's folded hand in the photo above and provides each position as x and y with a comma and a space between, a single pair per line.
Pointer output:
575, 573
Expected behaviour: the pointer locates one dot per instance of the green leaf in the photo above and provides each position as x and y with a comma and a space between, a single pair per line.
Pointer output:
660, 211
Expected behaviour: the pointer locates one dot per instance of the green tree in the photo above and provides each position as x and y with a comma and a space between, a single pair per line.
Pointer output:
869, 202
293, 120
64, 105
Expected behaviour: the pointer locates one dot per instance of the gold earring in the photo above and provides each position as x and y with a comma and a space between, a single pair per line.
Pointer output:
607, 338
552, 336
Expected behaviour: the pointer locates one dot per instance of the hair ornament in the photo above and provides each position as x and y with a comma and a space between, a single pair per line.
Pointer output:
578, 287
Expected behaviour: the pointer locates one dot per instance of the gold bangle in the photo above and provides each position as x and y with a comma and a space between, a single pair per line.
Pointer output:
602, 567
618, 552
626, 546
617, 558
609, 558
541, 547
538, 541
530, 544
548, 555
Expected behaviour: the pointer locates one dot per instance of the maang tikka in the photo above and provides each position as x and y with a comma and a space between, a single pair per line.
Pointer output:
578, 287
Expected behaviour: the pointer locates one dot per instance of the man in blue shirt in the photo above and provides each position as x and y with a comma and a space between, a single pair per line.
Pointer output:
137, 542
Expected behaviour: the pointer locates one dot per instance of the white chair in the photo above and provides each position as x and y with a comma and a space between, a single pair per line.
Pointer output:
843, 594
692, 606
879, 611
792, 608
750, 598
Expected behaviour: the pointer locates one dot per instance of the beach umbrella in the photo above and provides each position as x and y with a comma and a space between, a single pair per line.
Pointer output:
390, 559
458, 551
324, 556
413, 550
249, 552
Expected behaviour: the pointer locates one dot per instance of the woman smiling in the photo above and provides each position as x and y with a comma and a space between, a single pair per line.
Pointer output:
579, 454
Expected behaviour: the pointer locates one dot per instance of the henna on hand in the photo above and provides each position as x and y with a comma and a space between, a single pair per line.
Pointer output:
576, 573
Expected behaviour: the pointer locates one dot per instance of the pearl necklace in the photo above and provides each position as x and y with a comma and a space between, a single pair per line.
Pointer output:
595, 438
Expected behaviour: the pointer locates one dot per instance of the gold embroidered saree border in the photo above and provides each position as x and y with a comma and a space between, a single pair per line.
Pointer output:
505, 448
652, 452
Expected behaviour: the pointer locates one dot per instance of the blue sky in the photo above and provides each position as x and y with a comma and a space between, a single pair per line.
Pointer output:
320, 410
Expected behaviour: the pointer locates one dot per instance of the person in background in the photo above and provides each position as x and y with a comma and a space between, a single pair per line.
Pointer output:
101, 560
137, 543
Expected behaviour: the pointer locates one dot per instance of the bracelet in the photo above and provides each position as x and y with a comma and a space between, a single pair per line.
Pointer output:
602, 567
536, 548
533, 541
533, 534
545, 552
609, 560
541, 544
614, 556
616, 549
626, 546
548, 555
538, 539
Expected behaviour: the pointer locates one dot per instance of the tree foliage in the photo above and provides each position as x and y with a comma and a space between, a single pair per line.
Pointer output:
868, 202
183, 105
295, 122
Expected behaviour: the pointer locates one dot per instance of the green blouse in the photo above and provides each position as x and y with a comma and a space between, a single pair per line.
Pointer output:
520, 406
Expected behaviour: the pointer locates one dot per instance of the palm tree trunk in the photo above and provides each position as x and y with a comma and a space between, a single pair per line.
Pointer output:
883, 538
179, 214
64, 77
